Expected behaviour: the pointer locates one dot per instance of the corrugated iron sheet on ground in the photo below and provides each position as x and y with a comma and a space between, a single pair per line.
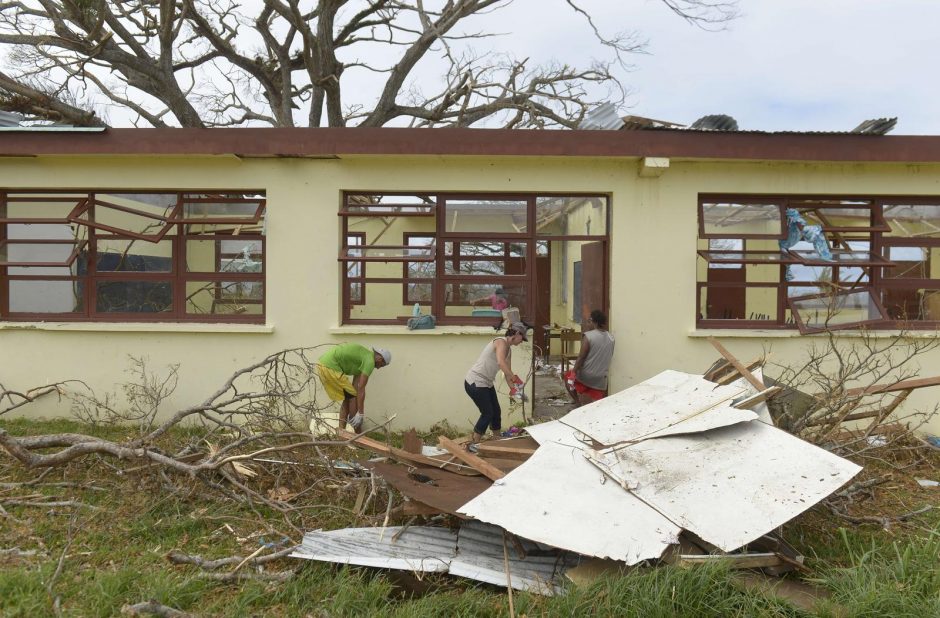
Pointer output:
475, 552
419, 549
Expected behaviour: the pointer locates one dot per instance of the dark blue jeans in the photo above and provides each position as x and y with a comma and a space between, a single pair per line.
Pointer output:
490, 414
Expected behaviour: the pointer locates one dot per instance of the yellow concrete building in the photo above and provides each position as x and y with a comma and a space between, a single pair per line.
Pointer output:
212, 248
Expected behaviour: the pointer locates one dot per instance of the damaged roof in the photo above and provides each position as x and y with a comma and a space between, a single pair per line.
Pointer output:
330, 143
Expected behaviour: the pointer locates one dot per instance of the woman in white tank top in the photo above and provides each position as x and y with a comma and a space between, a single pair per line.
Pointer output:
478, 383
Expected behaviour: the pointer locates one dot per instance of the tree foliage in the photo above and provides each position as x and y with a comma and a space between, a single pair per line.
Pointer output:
202, 63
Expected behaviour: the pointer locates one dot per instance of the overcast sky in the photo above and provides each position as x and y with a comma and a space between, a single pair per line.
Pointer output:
782, 65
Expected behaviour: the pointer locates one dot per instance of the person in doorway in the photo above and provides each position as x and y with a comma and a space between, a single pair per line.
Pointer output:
344, 371
479, 386
587, 380
498, 300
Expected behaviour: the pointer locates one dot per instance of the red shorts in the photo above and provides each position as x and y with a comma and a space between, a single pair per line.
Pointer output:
592, 393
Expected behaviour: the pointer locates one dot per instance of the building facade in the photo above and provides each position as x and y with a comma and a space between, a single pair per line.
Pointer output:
213, 248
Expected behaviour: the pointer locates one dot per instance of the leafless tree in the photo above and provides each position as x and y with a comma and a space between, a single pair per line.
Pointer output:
197, 63
846, 392
260, 411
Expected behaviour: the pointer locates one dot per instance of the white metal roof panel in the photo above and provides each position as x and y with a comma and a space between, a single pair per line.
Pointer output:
558, 498
669, 403
729, 485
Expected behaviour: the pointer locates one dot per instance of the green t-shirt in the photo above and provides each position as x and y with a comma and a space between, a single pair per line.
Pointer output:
350, 358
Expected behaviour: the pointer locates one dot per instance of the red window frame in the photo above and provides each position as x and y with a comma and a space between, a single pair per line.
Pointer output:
353, 203
89, 278
874, 265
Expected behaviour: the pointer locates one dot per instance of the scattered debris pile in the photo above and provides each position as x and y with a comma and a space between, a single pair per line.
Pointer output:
676, 469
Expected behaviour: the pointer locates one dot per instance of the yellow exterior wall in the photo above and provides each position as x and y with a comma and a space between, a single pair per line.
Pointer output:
653, 270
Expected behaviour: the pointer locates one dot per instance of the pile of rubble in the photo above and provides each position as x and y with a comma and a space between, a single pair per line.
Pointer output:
677, 469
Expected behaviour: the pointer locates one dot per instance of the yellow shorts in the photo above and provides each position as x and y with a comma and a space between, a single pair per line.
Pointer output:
336, 384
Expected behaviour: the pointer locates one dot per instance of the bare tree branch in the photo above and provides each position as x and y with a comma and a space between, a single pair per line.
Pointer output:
196, 63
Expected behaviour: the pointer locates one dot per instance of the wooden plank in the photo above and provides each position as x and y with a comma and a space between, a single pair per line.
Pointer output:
897, 386
485, 468
494, 449
411, 442
755, 399
737, 364
732, 561
731, 376
401, 455
448, 493
719, 368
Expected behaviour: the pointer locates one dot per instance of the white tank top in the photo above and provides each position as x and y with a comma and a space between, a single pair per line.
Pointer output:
485, 369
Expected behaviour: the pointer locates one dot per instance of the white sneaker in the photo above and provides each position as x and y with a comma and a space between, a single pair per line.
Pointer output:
473, 447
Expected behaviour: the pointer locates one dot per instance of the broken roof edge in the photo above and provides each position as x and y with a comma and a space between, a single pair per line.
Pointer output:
348, 142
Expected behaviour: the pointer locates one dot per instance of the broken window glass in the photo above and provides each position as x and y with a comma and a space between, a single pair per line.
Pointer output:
133, 296
741, 219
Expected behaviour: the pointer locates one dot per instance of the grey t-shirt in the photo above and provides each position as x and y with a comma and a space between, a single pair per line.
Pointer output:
593, 371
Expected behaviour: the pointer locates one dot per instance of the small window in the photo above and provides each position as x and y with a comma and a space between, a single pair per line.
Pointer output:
485, 216
388, 205
837, 310
741, 219
841, 215
571, 216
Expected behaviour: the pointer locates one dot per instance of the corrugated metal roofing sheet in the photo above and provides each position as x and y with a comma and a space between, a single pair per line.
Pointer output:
476, 552
419, 549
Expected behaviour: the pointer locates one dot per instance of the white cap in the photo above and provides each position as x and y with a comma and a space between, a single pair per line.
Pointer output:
384, 354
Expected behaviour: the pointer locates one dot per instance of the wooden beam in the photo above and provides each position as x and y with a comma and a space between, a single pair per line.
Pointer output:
732, 561
411, 442
737, 365
720, 367
401, 455
753, 400
897, 386
484, 467
505, 452
732, 375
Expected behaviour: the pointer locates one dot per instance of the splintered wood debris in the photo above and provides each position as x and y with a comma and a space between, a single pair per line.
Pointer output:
676, 462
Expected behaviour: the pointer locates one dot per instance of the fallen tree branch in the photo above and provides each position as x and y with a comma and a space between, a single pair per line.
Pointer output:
177, 557
883, 521
241, 576
54, 503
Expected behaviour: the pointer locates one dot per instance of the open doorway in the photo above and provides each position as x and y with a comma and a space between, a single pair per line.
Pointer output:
571, 282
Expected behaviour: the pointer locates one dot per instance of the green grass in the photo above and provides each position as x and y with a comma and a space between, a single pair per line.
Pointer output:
117, 556
897, 579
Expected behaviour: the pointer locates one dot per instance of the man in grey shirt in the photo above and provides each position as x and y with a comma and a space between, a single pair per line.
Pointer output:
587, 380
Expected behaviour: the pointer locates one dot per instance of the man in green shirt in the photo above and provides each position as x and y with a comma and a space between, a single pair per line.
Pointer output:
357, 362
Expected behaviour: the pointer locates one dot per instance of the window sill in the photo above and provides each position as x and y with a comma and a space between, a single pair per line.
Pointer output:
139, 327
750, 333
384, 329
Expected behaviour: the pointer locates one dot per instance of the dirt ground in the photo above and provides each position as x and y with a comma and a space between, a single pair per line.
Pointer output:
551, 400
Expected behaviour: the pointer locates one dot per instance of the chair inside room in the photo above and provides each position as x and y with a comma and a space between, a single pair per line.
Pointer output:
570, 347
